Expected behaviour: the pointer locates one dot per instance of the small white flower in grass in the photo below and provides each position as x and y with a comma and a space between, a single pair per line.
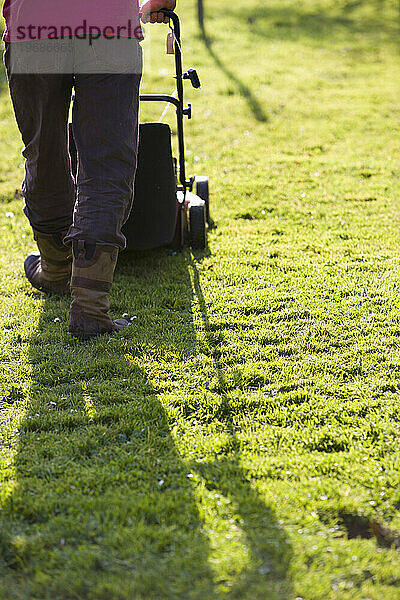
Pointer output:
197, 159
323, 497
125, 315
57, 320
316, 174
263, 212
264, 570
190, 475
10, 215
302, 195
23, 236
161, 482
133, 318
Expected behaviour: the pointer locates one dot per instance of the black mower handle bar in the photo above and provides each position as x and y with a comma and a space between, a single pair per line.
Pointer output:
178, 102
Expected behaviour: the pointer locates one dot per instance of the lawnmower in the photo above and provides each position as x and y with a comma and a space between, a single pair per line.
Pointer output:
169, 209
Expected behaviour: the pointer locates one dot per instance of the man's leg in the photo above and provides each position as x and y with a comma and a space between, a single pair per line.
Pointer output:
105, 124
41, 104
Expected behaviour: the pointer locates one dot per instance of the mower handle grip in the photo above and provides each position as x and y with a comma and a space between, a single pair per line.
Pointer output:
171, 15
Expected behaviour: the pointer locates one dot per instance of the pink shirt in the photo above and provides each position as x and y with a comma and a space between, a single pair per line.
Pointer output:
45, 19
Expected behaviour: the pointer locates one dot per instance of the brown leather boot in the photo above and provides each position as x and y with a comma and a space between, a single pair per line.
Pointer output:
92, 274
49, 270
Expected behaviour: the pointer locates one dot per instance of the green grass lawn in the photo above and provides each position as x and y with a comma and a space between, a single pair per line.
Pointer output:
237, 439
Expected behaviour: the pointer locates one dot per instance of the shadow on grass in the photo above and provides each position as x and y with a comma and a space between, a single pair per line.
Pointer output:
269, 550
294, 22
102, 506
331, 23
244, 90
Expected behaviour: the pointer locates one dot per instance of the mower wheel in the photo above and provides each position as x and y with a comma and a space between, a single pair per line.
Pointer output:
203, 191
197, 225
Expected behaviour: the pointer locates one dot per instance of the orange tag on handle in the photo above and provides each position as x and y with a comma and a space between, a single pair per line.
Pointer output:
170, 43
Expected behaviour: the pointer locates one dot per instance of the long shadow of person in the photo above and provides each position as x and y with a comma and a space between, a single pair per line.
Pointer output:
103, 504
